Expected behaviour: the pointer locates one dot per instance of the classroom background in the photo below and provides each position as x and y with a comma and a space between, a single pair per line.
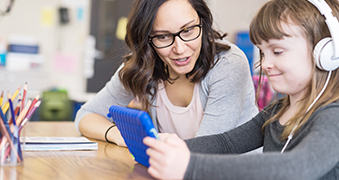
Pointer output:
66, 50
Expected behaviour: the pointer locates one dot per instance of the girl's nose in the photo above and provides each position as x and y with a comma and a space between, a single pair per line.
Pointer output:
266, 63
179, 45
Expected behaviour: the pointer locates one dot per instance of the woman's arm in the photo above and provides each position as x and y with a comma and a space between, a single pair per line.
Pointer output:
92, 121
229, 94
95, 126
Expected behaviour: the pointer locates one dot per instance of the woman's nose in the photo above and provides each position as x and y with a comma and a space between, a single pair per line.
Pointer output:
179, 45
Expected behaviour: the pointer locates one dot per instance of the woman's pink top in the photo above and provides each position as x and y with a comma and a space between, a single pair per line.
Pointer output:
183, 121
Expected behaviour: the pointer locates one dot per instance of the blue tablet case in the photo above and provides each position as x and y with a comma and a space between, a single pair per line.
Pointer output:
134, 125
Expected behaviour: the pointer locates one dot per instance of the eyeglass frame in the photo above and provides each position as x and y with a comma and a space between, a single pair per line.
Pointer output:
150, 39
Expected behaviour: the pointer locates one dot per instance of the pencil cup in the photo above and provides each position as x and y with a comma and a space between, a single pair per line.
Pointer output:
10, 147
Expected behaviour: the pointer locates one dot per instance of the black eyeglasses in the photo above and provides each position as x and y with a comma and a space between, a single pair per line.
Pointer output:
166, 40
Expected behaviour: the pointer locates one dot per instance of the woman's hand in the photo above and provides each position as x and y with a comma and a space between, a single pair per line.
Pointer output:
135, 104
114, 134
95, 126
169, 157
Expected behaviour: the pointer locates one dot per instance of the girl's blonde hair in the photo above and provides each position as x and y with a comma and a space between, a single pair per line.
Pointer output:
267, 24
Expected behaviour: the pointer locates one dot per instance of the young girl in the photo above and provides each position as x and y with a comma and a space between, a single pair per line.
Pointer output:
299, 133
190, 81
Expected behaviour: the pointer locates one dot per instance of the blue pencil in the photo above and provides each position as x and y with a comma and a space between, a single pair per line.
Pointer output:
3, 117
4, 120
11, 108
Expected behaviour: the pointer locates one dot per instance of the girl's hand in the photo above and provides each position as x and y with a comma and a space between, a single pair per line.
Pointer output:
169, 157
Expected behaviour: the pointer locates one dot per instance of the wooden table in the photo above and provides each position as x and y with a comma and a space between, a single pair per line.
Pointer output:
108, 162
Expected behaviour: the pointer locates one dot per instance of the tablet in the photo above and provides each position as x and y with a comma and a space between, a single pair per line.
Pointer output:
134, 125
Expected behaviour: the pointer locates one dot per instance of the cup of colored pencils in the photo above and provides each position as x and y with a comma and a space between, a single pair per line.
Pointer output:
14, 114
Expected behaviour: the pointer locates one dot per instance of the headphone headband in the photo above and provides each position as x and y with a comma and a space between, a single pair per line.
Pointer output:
332, 23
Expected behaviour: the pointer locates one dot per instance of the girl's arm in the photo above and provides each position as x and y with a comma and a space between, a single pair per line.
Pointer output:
169, 157
312, 154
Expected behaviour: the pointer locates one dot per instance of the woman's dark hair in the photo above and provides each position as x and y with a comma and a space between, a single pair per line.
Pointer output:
143, 69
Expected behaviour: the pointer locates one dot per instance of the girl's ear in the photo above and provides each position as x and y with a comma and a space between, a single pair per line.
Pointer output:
326, 51
324, 56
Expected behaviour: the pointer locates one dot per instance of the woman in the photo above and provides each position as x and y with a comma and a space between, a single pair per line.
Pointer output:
179, 70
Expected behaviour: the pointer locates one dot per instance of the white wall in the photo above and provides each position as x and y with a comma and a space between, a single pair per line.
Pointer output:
39, 19
231, 16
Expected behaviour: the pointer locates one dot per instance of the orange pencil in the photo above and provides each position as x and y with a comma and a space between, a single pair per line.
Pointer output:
23, 112
18, 105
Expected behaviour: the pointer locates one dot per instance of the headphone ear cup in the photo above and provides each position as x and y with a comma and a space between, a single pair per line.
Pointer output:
323, 53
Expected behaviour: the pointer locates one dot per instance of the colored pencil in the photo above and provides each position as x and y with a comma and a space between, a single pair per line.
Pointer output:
3, 142
6, 106
7, 133
11, 108
17, 109
16, 93
20, 115
1, 98
9, 136
3, 120
33, 103
2, 115
18, 105
4, 149
22, 124
24, 96
30, 112
23, 112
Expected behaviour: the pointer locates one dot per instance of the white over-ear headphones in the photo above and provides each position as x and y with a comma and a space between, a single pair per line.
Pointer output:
326, 51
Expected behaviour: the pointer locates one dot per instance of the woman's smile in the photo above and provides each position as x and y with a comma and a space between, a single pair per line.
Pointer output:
182, 61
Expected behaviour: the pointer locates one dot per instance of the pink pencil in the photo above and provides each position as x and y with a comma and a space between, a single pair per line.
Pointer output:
24, 96
22, 124
4, 149
30, 113
33, 103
